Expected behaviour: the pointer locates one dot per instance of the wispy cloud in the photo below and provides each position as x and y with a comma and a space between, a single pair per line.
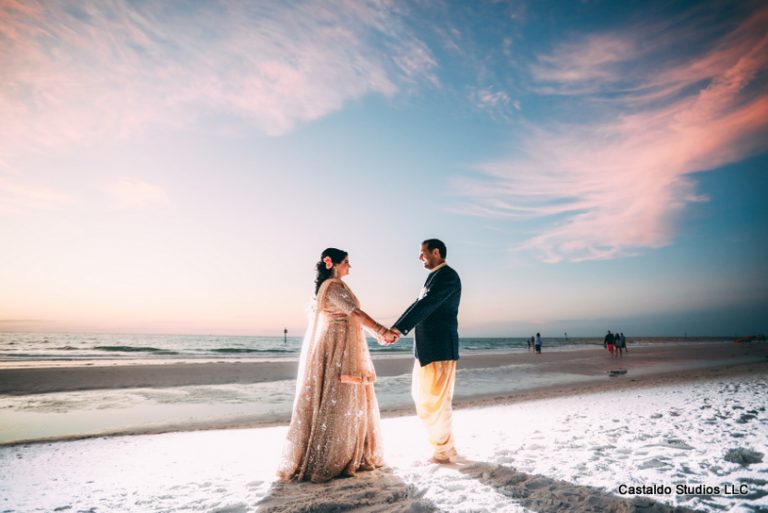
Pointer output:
617, 185
77, 73
495, 102
585, 63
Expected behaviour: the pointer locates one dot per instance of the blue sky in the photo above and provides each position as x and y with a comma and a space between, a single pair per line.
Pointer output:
179, 167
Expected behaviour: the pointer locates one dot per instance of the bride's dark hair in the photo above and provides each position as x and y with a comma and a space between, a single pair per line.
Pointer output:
337, 256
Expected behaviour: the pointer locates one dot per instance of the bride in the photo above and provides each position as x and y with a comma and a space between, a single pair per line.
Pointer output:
334, 427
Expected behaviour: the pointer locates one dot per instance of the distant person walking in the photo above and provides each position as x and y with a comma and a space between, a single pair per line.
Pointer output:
619, 345
530, 344
538, 342
624, 342
608, 342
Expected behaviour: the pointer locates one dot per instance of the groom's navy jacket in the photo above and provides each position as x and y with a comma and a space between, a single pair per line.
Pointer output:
434, 315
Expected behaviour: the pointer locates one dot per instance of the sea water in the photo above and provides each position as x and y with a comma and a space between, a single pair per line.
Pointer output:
93, 346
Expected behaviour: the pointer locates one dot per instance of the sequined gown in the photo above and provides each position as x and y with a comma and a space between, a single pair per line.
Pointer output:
334, 427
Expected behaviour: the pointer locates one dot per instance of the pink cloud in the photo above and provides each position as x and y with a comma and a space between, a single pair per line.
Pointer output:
586, 61
617, 186
80, 73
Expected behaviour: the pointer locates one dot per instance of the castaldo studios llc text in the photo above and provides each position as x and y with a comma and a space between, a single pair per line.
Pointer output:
684, 489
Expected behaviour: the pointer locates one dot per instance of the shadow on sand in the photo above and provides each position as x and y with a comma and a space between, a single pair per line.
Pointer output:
546, 495
381, 491
377, 491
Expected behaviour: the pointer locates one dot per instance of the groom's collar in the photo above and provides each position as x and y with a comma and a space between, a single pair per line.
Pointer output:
438, 267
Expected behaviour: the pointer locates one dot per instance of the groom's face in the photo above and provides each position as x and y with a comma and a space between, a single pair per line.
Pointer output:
430, 259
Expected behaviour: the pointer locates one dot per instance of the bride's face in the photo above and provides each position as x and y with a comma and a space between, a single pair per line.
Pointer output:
342, 268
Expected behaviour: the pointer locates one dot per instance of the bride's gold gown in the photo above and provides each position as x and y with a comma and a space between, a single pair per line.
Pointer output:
334, 427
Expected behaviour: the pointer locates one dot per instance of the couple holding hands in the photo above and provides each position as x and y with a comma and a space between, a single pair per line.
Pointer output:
335, 424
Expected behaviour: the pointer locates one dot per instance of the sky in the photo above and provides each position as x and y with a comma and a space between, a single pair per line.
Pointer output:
178, 167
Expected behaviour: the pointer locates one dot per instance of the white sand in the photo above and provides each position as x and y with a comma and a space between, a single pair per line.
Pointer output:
562, 454
54, 402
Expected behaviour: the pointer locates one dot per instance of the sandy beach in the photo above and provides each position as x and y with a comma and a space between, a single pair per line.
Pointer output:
549, 432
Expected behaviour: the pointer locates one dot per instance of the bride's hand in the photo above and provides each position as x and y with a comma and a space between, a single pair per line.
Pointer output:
381, 338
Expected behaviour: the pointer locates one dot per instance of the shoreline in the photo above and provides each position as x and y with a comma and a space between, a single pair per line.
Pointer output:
29, 378
57, 348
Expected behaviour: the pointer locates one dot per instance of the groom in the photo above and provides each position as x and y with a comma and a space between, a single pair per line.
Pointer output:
436, 347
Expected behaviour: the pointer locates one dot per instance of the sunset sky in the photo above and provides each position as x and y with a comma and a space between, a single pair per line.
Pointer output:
177, 167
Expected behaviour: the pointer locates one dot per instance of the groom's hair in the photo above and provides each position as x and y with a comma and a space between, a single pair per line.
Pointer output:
438, 245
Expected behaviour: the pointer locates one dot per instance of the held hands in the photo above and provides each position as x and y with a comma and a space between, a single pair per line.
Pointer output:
389, 337
386, 337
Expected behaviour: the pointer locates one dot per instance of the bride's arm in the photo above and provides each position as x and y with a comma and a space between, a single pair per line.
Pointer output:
368, 322
337, 294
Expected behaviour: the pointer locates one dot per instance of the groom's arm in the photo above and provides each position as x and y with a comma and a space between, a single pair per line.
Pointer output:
442, 289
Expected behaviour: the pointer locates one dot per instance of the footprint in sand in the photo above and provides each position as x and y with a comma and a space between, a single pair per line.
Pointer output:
743, 456
676, 443
654, 463
745, 417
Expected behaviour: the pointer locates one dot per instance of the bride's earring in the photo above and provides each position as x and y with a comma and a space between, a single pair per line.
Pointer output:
333, 271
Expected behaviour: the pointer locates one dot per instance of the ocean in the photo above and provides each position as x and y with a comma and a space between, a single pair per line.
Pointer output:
16, 346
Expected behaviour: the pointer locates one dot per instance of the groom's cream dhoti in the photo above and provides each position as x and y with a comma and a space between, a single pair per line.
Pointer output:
432, 391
